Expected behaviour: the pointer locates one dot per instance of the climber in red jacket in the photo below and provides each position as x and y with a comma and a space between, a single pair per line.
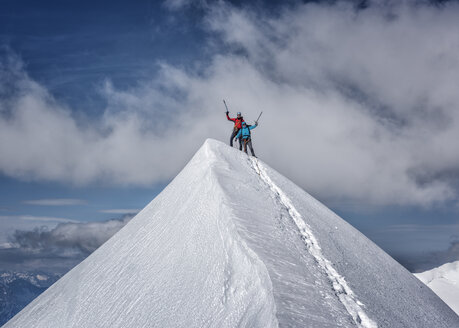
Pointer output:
237, 126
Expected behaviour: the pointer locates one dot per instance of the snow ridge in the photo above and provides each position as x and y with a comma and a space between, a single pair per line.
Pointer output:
345, 294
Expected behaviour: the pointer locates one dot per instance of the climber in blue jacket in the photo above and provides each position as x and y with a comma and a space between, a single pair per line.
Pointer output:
246, 137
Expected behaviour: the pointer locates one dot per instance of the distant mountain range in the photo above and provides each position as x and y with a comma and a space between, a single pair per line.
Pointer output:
17, 289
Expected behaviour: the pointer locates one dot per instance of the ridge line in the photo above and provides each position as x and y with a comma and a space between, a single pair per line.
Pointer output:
248, 251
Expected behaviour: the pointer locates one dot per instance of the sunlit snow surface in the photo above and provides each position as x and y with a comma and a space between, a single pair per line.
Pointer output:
444, 281
232, 243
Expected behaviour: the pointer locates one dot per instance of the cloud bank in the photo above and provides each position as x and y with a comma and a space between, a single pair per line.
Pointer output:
120, 210
359, 104
59, 248
83, 237
55, 202
11, 223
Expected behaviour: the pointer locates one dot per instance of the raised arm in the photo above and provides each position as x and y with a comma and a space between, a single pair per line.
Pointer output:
229, 118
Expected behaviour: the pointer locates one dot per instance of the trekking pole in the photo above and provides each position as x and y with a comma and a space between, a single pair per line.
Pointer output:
258, 117
225, 105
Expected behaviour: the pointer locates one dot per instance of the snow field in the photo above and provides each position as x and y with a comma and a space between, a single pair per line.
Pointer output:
444, 281
345, 294
179, 263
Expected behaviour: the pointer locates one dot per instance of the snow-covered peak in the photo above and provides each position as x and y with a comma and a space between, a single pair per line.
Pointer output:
232, 243
444, 281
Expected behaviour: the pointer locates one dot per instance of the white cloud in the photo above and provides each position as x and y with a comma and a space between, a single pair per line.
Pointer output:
84, 237
120, 211
359, 105
53, 245
11, 223
40, 219
55, 202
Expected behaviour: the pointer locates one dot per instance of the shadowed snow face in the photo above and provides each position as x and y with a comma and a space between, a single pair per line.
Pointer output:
359, 104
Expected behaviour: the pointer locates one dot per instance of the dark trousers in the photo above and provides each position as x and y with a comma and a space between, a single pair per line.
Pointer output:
235, 131
248, 142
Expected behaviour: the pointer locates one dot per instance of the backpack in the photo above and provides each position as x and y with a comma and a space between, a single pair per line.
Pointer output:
250, 133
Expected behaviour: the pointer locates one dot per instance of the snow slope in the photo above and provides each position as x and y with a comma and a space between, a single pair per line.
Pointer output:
444, 281
232, 243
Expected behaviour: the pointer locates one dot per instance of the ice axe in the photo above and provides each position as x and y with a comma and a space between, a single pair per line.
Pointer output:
225, 105
256, 122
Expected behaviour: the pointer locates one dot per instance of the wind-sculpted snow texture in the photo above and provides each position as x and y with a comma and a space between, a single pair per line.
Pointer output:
232, 243
341, 288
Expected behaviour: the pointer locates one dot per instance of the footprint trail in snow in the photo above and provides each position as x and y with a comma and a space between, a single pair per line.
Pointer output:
345, 294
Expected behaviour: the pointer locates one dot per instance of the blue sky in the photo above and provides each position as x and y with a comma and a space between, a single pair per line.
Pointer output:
78, 44
102, 103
